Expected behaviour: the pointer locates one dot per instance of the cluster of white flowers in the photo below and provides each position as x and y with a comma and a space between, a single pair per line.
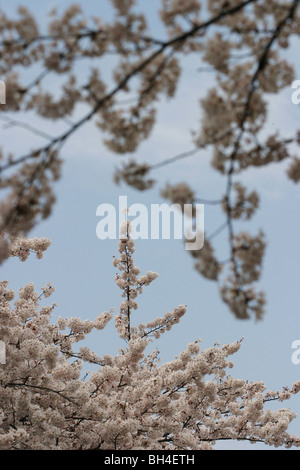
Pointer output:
129, 282
30, 199
294, 170
158, 326
217, 52
179, 193
246, 254
173, 11
47, 107
244, 206
243, 302
133, 174
130, 401
206, 262
249, 251
22, 247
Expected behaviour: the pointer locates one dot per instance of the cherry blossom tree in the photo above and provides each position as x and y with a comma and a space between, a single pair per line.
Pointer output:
131, 401
243, 44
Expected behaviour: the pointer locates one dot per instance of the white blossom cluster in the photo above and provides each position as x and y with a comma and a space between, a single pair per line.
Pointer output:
246, 252
22, 247
130, 401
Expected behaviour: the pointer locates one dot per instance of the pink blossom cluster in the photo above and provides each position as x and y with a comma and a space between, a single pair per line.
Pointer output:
131, 400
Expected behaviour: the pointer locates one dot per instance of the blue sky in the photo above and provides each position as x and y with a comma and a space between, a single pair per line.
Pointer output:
80, 265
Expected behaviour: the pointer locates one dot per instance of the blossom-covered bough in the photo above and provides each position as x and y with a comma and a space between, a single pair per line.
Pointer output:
241, 41
131, 401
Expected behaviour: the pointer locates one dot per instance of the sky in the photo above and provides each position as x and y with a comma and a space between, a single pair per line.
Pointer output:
80, 265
